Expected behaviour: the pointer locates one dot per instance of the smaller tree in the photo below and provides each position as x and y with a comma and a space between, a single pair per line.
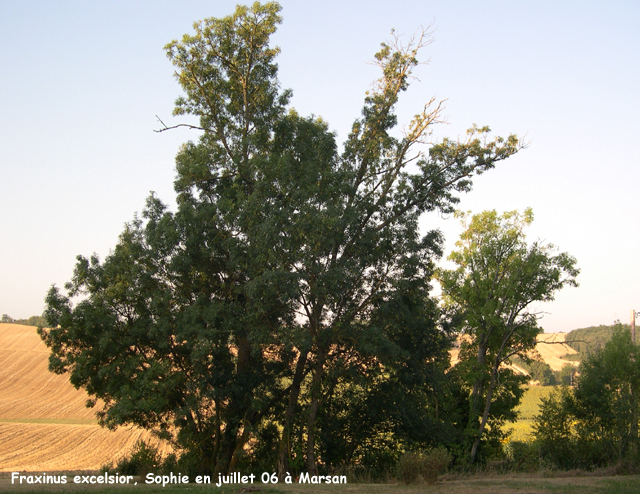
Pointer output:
565, 375
498, 276
597, 420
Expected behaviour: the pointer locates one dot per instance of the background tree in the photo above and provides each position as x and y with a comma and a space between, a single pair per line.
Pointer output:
597, 420
498, 277
290, 279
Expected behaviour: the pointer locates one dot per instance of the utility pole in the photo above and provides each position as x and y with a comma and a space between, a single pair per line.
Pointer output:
634, 420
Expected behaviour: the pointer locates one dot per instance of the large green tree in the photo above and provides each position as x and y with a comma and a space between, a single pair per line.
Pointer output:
498, 276
288, 270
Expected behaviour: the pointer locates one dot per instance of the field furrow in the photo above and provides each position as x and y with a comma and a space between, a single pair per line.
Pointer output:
63, 447
30, 393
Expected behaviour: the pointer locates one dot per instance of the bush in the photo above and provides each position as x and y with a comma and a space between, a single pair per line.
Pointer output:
523, 456
428, 465
144, 459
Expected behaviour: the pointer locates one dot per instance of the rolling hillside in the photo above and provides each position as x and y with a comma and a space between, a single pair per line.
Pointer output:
44, 424
551, 348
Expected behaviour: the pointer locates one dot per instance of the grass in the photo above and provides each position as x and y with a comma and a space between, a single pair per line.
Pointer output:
527, 410
478, 484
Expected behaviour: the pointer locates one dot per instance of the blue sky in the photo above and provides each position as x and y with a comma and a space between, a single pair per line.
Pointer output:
81, 84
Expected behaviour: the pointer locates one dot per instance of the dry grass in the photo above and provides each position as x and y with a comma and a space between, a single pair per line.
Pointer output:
44, 424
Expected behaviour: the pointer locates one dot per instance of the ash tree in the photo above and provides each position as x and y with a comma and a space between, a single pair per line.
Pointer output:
290, 274
497, 279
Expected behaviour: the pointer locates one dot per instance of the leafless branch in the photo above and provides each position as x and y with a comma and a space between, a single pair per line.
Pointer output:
164, 126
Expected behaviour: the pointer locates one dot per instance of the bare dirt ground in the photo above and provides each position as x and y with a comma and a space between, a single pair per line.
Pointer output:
44, 424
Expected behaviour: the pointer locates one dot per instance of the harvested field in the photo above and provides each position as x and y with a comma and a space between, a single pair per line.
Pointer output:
551, 348
44, 424
62, 446
27, 389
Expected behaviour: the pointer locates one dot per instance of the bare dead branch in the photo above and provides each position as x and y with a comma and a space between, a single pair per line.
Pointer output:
165, 127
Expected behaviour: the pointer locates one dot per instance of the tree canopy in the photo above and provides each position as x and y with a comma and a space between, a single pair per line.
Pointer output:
498, 276
287, 297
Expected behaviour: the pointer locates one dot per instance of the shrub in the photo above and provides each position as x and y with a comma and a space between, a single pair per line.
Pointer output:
143, 459
523, 456
428, 465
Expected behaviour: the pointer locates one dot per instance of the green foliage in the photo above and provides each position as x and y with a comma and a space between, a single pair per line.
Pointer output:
538, 370
595, 424
566, 375
289, 293
522, 456
498, 276
527, 410
587, 341
553, 430
143, 459
425, 466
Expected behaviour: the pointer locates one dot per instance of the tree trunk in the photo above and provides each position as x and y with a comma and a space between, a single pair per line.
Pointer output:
239, 404
476, 393
316, 390
485, 414
284, 448
241, 441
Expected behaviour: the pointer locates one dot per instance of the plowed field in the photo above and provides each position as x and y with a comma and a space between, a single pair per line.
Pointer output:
44, 424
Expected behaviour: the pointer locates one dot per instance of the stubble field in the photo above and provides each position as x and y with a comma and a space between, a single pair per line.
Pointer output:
44, 424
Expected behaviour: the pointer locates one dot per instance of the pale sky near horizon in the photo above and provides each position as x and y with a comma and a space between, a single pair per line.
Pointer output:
81, 84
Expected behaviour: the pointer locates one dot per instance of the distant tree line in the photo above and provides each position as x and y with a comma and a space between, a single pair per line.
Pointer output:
588, 341
37, 321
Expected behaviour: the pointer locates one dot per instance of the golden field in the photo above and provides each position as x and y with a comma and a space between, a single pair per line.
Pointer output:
551, 347
44, 424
